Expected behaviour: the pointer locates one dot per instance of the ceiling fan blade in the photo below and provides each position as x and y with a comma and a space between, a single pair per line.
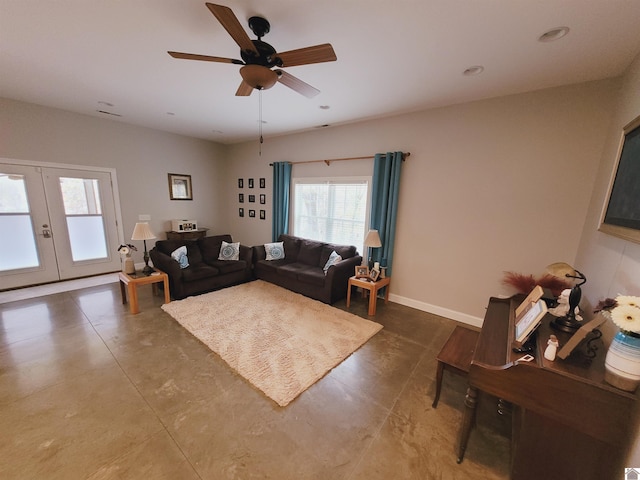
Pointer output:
296, 84
204, 58
230, 22
305, 56
244, 90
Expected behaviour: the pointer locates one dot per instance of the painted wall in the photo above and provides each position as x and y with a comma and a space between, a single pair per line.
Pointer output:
490, 186
611, 264
142, 158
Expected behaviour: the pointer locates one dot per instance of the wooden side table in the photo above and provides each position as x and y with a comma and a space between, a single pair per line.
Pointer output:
372, 288
129, 285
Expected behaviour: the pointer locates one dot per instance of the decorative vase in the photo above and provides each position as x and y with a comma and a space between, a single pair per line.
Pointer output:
622, 363
128, 266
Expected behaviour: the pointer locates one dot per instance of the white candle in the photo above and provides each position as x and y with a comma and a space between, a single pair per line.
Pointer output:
376, 265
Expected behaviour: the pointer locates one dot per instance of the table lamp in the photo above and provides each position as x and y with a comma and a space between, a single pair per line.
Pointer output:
372, 240
568, 323
142, 232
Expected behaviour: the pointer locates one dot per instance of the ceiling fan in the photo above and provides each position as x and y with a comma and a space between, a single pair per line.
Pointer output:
259, 58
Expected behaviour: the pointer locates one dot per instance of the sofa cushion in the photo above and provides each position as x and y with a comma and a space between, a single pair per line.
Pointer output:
345, 251
312, 275
274, 251
226, 266
310, 252
193, 251
229, 251
292, 270
210, 247
291, 246
271, 266
180, 256
198, 272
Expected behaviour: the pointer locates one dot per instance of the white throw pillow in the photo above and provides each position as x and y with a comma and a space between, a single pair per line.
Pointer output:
229, 251
333, 259
275, 251
180, 256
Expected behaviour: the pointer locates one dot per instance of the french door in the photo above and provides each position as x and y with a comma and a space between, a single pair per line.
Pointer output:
56, 224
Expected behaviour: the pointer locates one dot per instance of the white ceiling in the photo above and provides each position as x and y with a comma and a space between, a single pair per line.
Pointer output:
393, 57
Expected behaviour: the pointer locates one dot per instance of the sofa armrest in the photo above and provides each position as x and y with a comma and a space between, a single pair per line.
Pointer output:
164, 262
259, 253
344, 268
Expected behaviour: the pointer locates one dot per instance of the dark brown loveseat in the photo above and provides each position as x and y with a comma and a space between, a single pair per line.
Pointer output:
301, 269
205, 272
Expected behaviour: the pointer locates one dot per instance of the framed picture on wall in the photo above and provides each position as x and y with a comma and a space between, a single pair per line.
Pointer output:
263, 214
240, 183
262, 183
241, 212
180, 187
263, 199
251, 183
241, 197
252, 213
252, 199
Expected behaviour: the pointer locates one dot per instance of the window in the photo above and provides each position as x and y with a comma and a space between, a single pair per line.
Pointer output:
334, 210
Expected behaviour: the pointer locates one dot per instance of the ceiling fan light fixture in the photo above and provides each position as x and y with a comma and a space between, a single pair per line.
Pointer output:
259, 77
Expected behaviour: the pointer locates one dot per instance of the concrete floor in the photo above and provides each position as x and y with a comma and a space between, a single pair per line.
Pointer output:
88, 391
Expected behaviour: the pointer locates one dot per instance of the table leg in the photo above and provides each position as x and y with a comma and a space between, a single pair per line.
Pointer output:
468, 420
349, 294
167, 295
123, 292
439, 373
133, 299
386, 294
372, 300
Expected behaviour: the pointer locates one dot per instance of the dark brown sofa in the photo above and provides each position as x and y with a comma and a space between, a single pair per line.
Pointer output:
205, 272
302, 271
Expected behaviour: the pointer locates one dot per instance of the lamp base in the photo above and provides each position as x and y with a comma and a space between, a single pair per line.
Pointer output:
566, 324
147, 270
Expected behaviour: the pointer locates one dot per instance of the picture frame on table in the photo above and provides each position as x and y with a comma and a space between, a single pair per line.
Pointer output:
362, 271
180, 187
374, 274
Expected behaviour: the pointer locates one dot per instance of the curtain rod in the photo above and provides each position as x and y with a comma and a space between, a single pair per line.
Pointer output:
328, 162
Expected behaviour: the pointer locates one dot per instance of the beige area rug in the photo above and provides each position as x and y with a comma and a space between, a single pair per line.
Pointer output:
280, 341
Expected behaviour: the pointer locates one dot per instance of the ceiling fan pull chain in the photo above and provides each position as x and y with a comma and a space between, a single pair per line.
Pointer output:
260, 120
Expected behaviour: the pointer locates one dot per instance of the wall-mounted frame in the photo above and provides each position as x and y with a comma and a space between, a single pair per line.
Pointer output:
180, 187
263, 199
240, 183
252, 199
241, 212
241, 197
251, 183
262, 183
621, 212
252, 213
263, 214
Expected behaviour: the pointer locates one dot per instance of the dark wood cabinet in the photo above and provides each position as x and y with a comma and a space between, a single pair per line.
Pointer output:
568, 423
190, 235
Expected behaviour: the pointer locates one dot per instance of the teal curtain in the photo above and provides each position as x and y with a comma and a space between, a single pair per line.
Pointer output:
281, 188
384, 204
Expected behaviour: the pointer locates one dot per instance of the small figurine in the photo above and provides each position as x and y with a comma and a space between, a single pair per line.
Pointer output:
552, 348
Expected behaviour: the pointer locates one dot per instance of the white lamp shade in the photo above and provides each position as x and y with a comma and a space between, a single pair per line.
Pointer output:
142, 232
372, 239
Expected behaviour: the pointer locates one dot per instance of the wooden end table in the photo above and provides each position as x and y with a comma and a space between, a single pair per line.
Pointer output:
130, 283
371, 287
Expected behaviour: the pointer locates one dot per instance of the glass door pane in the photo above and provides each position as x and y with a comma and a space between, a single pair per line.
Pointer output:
83, 212
18, 247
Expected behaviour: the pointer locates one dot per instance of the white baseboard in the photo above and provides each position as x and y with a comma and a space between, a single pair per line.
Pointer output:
436, 310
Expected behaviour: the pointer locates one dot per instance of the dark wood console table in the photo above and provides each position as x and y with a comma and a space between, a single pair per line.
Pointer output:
567, 422
187, 235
